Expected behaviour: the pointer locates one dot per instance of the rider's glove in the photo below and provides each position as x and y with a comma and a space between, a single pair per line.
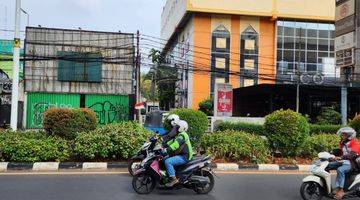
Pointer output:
164, 152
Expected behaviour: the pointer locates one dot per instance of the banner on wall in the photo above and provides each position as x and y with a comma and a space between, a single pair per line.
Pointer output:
223, 100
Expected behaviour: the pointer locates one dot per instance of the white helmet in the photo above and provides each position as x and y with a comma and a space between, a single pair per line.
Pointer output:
350, 132
183, 126
174, 119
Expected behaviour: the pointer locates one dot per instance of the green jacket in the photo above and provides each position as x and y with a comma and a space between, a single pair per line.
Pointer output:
180, 145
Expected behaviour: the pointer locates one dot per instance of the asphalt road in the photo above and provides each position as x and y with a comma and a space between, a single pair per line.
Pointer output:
118, 187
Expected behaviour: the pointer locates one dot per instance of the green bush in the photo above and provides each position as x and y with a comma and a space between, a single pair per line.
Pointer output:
316, 129
329, 115
355, 123
197, 120
92, 146
286, 131
236, 146
112, 141
32, 147
318, 143
207, 107
242, 126
66, 123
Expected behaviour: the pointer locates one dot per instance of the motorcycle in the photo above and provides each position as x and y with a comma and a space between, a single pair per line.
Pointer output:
154, 123
318, 185
195, 175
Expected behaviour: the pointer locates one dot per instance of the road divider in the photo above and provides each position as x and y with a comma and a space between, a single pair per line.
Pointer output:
103, 166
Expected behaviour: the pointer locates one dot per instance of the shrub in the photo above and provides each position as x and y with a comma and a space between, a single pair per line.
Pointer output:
207, 107
127, 138
329, 115
236, 146
66, 123
256, 129
286, 131
316, 129
111, 141
197, 120
32, 147
318, 143
92, 146
355, 123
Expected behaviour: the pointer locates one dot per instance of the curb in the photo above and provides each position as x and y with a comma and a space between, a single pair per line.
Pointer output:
103, 166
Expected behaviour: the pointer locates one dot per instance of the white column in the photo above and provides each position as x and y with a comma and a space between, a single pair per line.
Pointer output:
16, 60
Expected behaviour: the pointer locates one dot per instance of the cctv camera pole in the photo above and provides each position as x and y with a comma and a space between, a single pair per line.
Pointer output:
16, 60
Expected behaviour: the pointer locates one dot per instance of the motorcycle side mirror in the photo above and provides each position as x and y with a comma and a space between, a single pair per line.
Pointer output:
336, 152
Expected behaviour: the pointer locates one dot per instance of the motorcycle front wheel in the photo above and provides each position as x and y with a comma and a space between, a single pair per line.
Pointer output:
133, 165
143, 183
311, 191
206, 188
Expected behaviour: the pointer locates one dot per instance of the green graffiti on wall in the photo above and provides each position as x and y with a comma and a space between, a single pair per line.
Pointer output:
108, 108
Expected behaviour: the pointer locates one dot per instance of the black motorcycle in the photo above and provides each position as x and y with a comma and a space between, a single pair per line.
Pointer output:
195, 175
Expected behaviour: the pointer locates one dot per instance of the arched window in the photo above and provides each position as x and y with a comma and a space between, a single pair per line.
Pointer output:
220, 55
249, 57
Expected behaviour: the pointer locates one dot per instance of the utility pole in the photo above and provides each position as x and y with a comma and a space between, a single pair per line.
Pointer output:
138, 97
298, 76
16, 60
344, 95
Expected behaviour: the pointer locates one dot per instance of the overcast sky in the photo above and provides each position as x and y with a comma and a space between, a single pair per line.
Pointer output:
101, 15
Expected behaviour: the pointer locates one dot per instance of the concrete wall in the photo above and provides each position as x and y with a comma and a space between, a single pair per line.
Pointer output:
41, 66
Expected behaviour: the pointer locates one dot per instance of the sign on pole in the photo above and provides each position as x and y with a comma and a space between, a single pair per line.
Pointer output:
223, 101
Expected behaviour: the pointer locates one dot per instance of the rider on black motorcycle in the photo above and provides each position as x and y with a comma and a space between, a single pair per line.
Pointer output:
174, 120
350, 149
180, 149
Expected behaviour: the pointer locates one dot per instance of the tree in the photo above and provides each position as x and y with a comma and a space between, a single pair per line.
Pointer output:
165, 77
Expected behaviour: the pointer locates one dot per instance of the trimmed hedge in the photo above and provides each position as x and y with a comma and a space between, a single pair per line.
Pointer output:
236, 146
318, 143
112, 141
66, 123
316, 129
286, 131
242, 126
197, 120
207, 107
32, 147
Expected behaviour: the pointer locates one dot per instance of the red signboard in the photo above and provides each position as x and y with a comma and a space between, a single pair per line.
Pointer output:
223, 100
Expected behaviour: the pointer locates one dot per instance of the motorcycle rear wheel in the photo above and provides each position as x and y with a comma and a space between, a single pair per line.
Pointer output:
143, 183
311, 191
208, 187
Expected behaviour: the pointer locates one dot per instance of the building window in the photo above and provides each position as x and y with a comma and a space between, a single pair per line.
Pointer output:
79, 67
310, 44
249, 82
249, 56
220, 56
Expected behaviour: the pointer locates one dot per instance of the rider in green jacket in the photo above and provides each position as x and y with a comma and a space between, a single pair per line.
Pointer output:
180, 150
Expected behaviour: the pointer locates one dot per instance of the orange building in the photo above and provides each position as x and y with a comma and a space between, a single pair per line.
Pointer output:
245, 42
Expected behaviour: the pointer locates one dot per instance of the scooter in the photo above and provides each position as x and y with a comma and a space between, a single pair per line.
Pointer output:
195, 175
154, 123
318, 185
